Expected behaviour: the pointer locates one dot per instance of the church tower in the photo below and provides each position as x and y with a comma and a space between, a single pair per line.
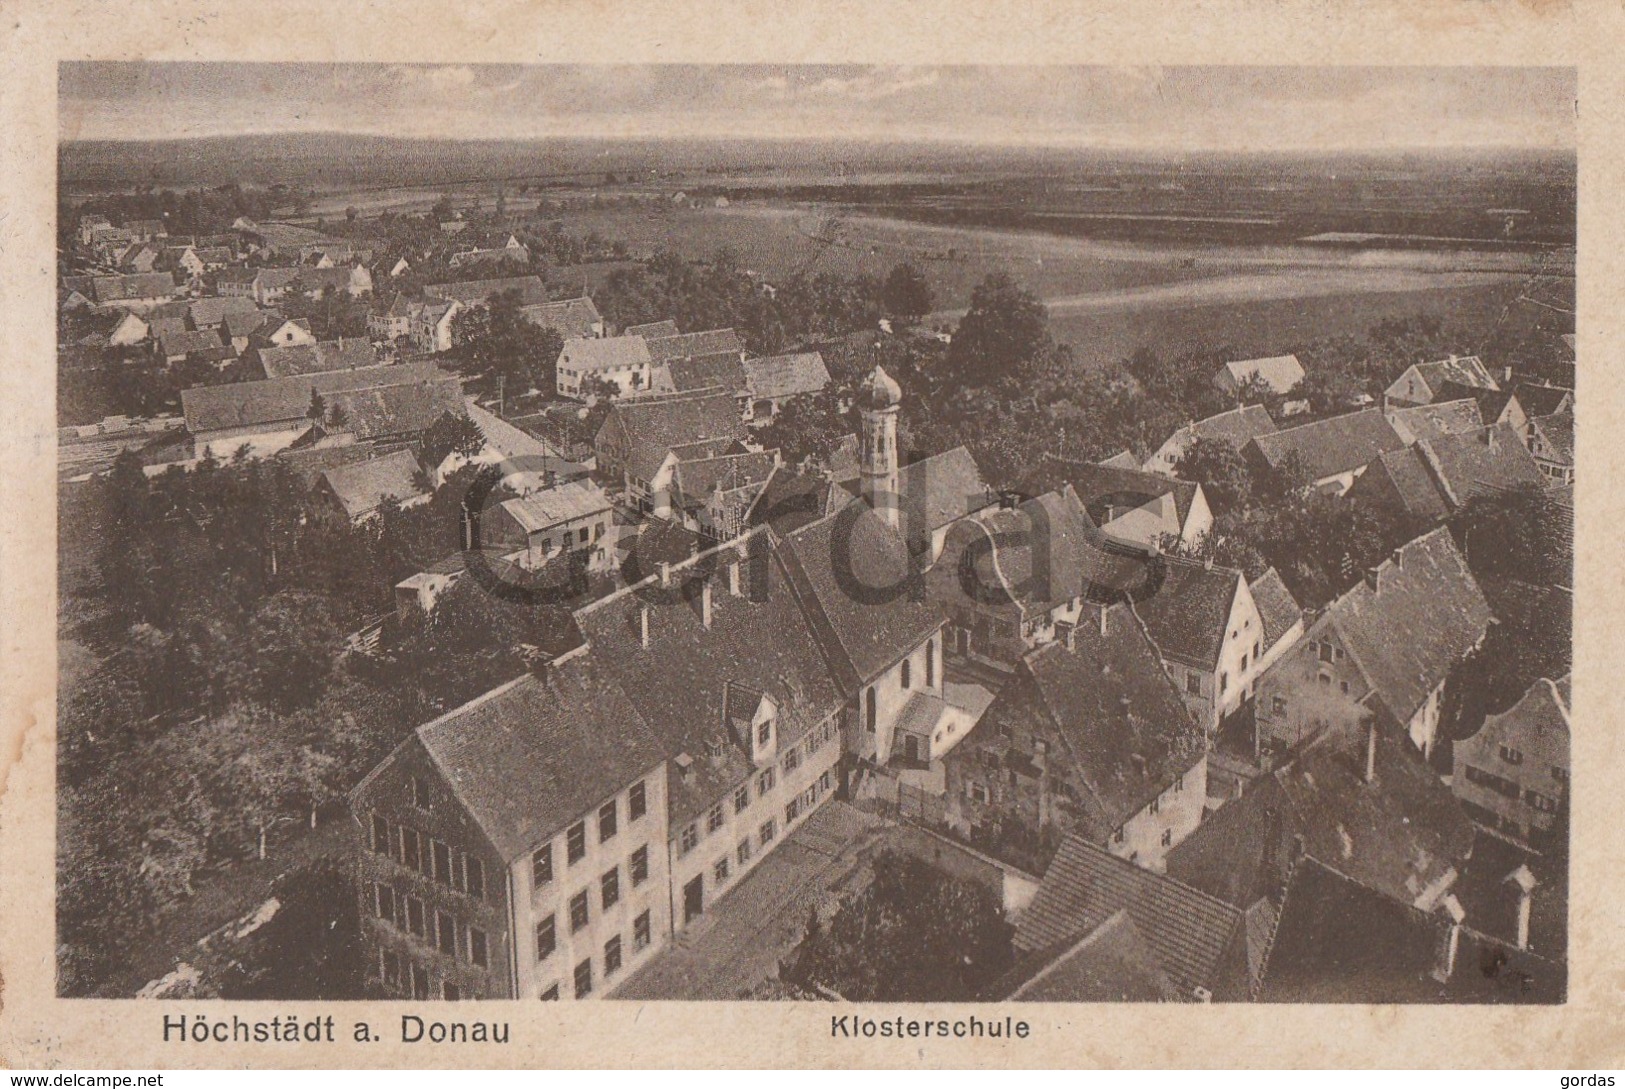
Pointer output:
879, 400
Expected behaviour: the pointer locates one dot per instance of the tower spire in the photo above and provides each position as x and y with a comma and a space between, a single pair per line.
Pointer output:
880, 399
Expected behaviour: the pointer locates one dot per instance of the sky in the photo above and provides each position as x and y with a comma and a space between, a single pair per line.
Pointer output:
1208, 108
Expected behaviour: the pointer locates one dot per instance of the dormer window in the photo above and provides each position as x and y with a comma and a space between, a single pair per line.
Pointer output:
764, 732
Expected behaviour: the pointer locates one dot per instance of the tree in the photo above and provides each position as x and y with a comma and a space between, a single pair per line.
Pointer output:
906, 295
810, 425
1224, 474
451, 434
1006, 326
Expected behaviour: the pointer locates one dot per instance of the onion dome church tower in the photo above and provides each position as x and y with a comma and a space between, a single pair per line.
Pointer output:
879, 400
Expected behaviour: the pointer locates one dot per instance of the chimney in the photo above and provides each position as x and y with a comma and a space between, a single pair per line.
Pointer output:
733, 577
1523, 885
1371, 751
1207, 563
1399, 559
1452, 939
1490, 440
1102, 615
1066, 634
705, 602
665, 573
643, 623
685, 766
1139, 763
1372, 578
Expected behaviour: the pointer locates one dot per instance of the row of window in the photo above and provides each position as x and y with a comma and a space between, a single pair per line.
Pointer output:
403, 976
575, 839
439, 929
715, 817
580, 910
612, 959
429, 857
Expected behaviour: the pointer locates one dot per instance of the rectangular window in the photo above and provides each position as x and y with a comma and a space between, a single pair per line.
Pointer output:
474, 877
584, 978
637, 802
576, 842
411, 850
640, 931
764, 732
1193, 683
420, 793
1118, 836
1224, 683
686, 842
1325, 651
420, 982
380, 835
764, 783
640, 866
713, 819
609, 887
578, 911
612, 956
541, 866
478, 953
1511, 755
720, 870
768, 830
1167, 837
546, 938
1156, 806
392, 970
792, 761
606, 821
1278, 704
582, 536
825, 780
1560, 775
742, 854
446, 930
741, 799
442, 861
814, 740
1540, 802
792, 810
415, 917
450, 992
385, 897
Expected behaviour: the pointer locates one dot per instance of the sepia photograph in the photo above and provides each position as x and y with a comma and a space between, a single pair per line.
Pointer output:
839, 533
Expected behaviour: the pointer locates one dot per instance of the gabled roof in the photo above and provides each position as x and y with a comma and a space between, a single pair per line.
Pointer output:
1543, 711
651, 426
246, 322
405, 408
760, 640
1402, 834
1104, 488
571, 317
651, 330
1189, 614
1277, 608
530, 757
1468, 370
707, 342
1238, 427
1113, 708
546, 509
1280, 372
139, 285
1537, 400
790, 500
361, 486
939, 489
697, 478
854, 575
1437, 419
1558, 431
603, 353
276, 400
1424, 615
1192, 935
474, 292
1488, 461
1112, 963
213, 310
717, 370
179, 344
327, 355
780, 376
1328, 447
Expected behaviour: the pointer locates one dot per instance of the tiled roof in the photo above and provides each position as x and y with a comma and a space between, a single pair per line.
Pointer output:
1112, 963
1328, 447
545, 509
1425, 615
327, 355
213, 310
717, 370
509, 441
406, 408
1558, 431
938, 490
1403, 477
603, 353
651, 330
1437, 419
1402, 834
310, 463
697, 478
1115, 711
475, 292
179, 344
159, 328
1189, 612
760, 640
1539, 400
1238, 426
650, 427
779, 376
245, 322
1106, 488
1276, 606
854, 575
708, 342
1280, 372
140, 285
536, 754
274, 400
791, 500
1488, 461
571, 317
362, 485
1189, 932
1467, 370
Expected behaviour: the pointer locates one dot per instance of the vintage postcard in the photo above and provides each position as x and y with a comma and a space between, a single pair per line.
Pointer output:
669, 549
